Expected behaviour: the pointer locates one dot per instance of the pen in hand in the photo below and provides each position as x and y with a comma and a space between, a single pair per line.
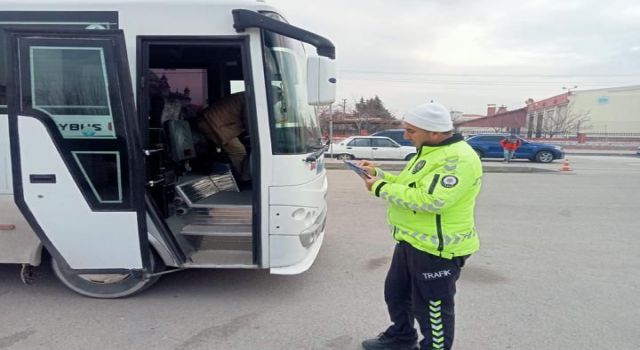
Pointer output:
370, 166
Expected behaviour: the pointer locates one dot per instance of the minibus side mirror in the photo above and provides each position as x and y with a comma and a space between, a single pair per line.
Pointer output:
321, 80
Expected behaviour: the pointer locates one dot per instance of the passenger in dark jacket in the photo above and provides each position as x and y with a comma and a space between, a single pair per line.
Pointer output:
223, 122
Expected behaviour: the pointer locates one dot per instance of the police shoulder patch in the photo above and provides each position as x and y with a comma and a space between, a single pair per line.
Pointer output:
449, 181
418, 166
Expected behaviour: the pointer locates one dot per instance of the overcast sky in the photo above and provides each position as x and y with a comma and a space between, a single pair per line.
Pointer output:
467, 54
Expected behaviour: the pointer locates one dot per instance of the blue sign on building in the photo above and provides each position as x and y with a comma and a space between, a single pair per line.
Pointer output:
603, 100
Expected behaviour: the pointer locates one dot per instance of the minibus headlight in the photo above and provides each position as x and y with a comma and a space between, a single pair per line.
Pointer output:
307, 238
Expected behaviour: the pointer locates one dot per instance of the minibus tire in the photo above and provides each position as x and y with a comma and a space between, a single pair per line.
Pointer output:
127, 287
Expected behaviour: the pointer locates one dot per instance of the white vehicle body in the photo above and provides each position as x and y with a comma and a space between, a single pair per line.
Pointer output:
371, 147
116, 188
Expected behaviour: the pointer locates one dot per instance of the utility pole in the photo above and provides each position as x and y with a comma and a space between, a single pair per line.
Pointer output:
344, 106
331, 129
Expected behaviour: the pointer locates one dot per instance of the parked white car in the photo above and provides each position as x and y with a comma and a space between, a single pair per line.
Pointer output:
371, 147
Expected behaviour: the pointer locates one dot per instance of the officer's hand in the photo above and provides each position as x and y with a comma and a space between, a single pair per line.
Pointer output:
368, 165
369, 181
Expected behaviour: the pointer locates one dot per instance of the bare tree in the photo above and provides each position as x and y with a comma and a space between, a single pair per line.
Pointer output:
566, 121
322, 110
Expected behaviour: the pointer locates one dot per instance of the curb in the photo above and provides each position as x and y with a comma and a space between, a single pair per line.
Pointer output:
508, 169
485, 168
619, 154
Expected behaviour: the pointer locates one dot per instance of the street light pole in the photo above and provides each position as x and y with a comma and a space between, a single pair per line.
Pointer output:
569, 89
331, 129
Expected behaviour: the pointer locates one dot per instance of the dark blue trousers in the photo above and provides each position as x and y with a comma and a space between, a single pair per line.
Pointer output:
422, 286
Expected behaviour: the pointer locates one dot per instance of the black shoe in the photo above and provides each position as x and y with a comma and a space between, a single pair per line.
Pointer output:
384, 342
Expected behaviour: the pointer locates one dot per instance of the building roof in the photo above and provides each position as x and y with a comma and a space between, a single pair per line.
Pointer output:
467, 117
509, 119
612, 89
553, 101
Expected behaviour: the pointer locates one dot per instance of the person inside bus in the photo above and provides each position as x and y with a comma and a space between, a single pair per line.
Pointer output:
224, 122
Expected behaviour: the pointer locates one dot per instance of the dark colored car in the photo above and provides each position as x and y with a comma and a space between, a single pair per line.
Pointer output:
488, 146
395, 135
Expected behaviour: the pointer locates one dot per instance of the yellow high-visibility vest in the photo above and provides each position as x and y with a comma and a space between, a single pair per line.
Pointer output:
431, 202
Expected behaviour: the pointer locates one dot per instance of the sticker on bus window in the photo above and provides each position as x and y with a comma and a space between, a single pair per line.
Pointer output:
82, 127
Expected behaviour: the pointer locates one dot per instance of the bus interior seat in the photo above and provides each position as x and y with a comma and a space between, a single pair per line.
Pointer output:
196, 187
180, 140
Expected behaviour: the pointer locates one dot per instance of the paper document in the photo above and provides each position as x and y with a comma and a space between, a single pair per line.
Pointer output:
360, 171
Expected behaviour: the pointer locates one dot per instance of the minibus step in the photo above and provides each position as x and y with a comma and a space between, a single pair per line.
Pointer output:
221, 258
218, 230
220, 215
224, 243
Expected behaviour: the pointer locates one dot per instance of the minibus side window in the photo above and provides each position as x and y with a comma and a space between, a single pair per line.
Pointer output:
48, 20
70, 85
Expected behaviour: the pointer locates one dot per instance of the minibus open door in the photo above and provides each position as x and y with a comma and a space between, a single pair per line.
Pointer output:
78, 167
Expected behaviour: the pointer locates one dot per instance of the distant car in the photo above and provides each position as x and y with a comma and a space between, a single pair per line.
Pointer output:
371, 147
638, 151
488, 146
394, 134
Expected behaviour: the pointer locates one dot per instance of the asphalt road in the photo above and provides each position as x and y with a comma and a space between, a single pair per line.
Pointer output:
558, 269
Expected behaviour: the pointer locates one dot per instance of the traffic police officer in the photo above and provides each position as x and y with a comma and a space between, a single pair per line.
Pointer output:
431, 216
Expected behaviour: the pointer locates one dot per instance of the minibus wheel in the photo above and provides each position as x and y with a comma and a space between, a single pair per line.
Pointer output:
108, 286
